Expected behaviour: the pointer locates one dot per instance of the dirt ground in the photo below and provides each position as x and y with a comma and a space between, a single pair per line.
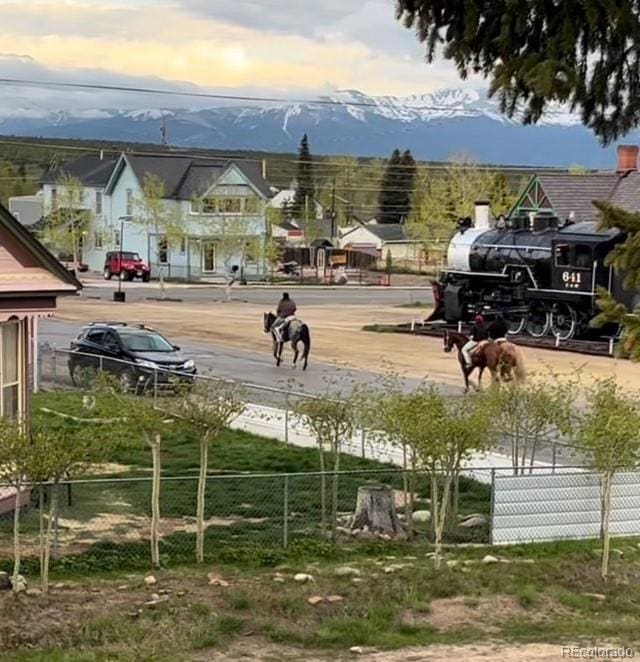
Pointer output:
336, 334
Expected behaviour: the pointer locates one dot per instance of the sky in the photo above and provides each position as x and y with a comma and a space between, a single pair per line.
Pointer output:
275, 47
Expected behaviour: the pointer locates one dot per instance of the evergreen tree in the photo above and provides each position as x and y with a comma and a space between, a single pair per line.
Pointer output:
305, 189
534, 52
396, 189
408, 173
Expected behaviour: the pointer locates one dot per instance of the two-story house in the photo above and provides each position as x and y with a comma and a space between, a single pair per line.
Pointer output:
212, 214
91, 173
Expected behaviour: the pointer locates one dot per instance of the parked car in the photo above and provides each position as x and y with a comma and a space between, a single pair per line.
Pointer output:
133, 266
137, 355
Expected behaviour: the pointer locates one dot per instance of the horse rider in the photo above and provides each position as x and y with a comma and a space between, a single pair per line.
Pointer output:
285, 312
478, 334
498, 330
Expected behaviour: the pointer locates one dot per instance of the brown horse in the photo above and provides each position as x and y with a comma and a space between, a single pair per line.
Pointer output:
504, 359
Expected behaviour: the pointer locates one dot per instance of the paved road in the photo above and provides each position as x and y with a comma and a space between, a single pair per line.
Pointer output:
264, 295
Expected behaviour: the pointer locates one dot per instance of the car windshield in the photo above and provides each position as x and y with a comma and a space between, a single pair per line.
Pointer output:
130, 256
145, 342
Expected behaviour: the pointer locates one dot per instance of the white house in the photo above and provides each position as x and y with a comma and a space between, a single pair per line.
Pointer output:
219, 204
379, 239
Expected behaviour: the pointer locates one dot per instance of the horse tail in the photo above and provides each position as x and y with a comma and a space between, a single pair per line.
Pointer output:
511, 360
305, 337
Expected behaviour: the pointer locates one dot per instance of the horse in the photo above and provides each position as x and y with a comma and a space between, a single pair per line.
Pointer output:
297, 331
504, 359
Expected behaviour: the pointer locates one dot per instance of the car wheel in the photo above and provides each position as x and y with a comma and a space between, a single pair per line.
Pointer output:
81, 377
122, 275
146, 277
130, 275
107, 274
127, 381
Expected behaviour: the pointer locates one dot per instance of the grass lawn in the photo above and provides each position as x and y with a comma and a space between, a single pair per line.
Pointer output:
105, 524
539, 593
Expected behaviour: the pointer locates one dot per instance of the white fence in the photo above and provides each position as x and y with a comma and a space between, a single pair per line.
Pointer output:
561, 506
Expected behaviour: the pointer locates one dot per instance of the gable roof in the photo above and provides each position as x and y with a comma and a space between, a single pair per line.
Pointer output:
568, 193
186, 177
44, 260
383, 231
91, 170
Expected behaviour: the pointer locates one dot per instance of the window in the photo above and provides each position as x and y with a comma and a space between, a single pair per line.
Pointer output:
95, 336
138, 341
163, 250
116, 237
54, 198
97, 240
99, 202
563, 255
183, 245
229, 205
129, 211
583, 258
111, 342
11, 369
208, 206
251, 205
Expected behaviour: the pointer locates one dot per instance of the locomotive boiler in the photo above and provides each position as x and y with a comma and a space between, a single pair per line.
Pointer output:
540, 273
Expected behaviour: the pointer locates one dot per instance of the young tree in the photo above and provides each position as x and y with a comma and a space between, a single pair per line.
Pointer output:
67, 224
535, 53
332, 418
17, 467
531, 416
210, 407
160, 217
303, 202
610, 431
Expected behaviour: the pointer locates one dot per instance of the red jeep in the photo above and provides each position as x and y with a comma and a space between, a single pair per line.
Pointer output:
132, 266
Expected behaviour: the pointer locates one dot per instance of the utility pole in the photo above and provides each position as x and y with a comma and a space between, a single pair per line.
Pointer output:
333, 209
164, 133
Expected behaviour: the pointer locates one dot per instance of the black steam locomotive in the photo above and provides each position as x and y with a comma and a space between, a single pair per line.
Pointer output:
540, 274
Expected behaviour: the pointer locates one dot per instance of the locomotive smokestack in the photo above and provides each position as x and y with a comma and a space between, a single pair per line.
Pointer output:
482, 215
627, 158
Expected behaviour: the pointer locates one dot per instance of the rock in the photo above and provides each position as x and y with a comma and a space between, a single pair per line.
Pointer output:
150, 580
5, 582
155, 596
473, 521
421, 516
164, 591
470, 562
123, 587
357, 650
332, 599
410, 558
59, 586
600, 597
394, 567
20, 584
384, 536
357, 580
315, 600
280, 580
133, 614
303, 578
214, 580
158, 601
33, 592
346, 571
490, 559
617, 553
343, 530
452, 563
181, 594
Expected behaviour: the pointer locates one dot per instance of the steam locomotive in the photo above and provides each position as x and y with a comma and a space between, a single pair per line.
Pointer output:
539, 273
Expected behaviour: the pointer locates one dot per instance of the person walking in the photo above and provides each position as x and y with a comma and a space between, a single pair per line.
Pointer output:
231, 277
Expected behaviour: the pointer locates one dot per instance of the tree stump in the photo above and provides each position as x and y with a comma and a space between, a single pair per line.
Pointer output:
376, 512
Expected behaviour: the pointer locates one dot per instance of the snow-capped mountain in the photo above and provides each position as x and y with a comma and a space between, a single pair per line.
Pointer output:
434, 126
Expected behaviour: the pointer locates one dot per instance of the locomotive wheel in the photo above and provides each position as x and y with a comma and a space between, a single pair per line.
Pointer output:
516, 323
538, 320
564, 321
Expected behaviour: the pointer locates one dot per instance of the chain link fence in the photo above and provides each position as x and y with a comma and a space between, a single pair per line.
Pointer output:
105, 518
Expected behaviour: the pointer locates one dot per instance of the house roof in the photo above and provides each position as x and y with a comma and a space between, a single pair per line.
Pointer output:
186, 177
48, 271
568, 193
91, 170
383, 231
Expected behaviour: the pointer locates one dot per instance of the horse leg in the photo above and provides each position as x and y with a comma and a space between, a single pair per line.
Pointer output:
294, 346
465, 374
480, 377
278, 353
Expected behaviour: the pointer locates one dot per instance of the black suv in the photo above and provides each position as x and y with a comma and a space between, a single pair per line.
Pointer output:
139, 356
